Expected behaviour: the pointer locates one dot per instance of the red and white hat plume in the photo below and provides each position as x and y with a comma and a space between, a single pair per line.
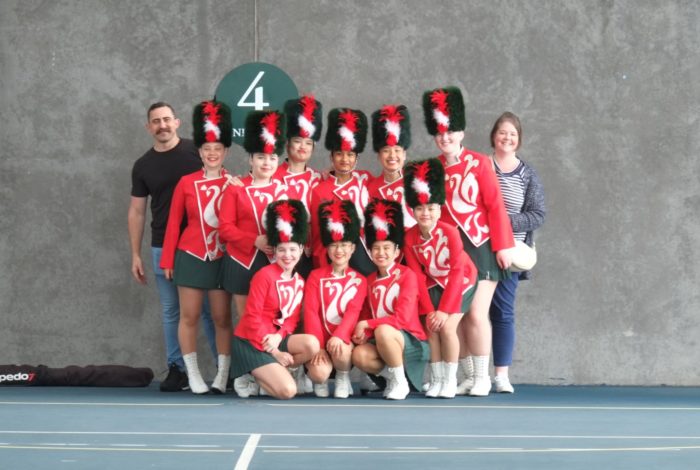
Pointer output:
441, 112
285, 220
212, 117
382, 219
306, 118
348, 129
337, 218
269, 131
384, 222
420, 182
392, 118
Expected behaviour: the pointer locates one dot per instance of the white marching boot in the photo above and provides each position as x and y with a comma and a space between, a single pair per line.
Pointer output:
223, 365
437, 370
343, 386
321, 390
303, 382
482, 381
194, 377
245, 386
449, 380
398, 387
465, 371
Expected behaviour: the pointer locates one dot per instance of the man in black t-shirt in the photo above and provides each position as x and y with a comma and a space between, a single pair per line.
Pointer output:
156, 174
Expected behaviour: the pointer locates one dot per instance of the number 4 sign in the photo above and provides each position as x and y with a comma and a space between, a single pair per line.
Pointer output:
259, 103
254, 86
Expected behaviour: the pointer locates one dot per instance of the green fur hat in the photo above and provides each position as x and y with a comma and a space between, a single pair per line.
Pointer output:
391, 125
211, 122
339, 222
347, 130
444, 110
286, 221
264, 132
424, 182
384, 221
304, 118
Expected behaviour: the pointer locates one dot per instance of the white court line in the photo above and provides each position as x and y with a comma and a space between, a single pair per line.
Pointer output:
247, 453
114, 449
489, 407
437, 436
416, 448
89, 403
197, 446
480, 451
347, 447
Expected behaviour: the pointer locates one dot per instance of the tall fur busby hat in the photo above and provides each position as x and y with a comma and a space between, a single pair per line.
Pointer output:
384, 221
304, 118
424, 182
347, 130
264, 132
444, 110
339, 222
286, 221
211, 122
391, 125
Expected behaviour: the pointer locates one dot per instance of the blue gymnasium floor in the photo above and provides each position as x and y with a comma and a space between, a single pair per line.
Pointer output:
537, 427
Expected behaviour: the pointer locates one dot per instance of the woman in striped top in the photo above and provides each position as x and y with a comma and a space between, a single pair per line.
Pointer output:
524, 200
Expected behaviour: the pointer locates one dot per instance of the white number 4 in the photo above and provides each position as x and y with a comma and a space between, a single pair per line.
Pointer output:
259, 102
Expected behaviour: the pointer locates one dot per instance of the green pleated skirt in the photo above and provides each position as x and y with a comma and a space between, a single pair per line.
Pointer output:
435, 293
245, 357
485, 260
190, 271
415, 356
235, 278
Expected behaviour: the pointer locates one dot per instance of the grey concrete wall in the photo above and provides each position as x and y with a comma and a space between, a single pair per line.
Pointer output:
607, 90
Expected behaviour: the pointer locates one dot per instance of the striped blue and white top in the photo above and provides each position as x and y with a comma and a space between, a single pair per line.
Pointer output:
513, 191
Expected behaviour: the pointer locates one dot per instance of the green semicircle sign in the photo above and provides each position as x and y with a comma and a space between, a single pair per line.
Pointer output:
254, 86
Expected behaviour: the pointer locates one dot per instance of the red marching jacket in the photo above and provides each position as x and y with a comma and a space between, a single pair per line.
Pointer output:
299, 185
332, 305
380, 189
199, 199
354, 190
273, 306
240, 219
474, 202
394, 300
443, 261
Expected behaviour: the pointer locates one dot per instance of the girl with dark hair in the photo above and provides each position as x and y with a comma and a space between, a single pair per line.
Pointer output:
193, 259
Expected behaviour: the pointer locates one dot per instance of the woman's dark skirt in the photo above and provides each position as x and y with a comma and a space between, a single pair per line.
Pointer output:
415, 355
485, 260
190, 271
235, 278
435, 293
245, 357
